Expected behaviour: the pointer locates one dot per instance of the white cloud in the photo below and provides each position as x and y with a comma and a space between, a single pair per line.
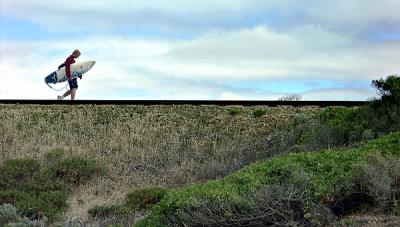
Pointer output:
90, 14
351, 16
201, 68
262, 53
340, 94
231, 96
358, 15
248, 95
230, 41
22, 83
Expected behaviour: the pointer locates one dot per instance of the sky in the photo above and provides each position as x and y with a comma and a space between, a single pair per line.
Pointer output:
201, 50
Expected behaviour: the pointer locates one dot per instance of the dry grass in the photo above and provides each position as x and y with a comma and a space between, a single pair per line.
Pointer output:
370, 221
140, 145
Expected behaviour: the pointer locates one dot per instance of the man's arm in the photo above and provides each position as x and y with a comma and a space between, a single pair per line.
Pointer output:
68, 68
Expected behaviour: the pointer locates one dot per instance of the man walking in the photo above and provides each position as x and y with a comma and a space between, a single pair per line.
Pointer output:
73, 83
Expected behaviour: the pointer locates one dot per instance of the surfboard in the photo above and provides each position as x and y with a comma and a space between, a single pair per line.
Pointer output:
77, 69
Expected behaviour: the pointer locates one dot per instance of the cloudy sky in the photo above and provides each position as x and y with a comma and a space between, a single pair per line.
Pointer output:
203, 49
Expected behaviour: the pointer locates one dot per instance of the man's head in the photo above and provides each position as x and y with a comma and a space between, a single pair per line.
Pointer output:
76, 53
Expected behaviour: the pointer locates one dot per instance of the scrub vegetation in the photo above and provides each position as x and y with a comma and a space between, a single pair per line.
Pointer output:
39, 190
140, 146
205, 165
303, 188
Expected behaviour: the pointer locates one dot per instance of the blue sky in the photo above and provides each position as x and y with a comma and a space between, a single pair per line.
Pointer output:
237, 49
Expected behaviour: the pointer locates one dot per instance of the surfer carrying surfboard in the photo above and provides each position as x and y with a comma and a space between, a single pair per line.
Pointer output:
73, 83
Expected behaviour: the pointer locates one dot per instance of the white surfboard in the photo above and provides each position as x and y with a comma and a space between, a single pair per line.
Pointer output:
77, 69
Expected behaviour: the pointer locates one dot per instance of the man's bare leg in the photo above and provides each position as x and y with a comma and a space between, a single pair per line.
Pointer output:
72, 92
66, 94
69, 92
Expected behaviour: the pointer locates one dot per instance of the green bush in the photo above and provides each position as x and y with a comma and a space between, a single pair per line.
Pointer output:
145, 198
367, 134
345, 123
26, 222
39, 190
234, 111
326, 136
389, 89
141, 199
373, 186
335, 127
385, 115
109, 211
36, 204
379, 180
299, 119
75, 170
328, 170
113, 215
10, 217
259, 113
17, 172
25, 202
336, 116
54, 156
8, 214
282, 204
341, 126
22, 184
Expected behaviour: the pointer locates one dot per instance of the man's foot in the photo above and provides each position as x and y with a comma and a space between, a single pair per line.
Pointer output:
59, 97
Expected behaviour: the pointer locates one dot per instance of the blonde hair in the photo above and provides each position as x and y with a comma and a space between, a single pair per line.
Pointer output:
76, 52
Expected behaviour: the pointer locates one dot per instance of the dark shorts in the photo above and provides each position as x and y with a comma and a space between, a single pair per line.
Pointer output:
73, 84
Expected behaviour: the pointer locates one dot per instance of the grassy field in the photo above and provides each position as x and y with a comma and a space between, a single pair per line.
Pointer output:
142, 146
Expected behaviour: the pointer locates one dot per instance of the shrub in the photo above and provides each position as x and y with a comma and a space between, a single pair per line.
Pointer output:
8, 214
109, 211
145, 198
113, 215
379, 179
36, 205
327, 170
291, 97
75, 170
36, 190
299, 119
9, 217
372, 185
336, 116
368, 134
17, 172
283, 204
336, 127
347, 121
279, 143
341, 126
386, 111
259, 113
53, 202
326, 136
235, 111
389, 89
54, 156
125, 213
21, 184
24, 201
26, 222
